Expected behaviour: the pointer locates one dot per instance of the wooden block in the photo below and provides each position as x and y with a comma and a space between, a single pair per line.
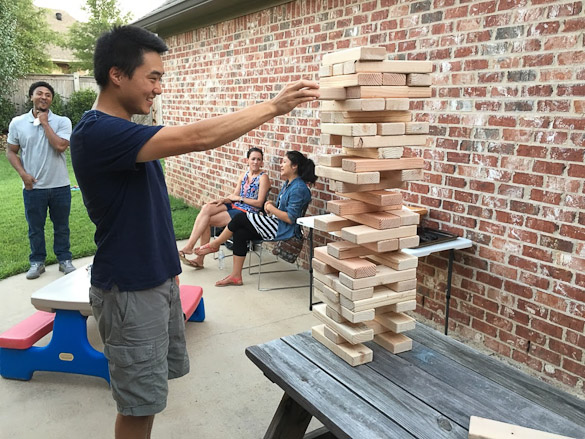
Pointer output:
393, 152
331, 223
377, 220
345, 250
323, 268
384, 275
325, 71
332, 94
419, 210
390, 129
352, 332
330, 139
389, 79
396, 322
482, 428
333, 336
326, 278
388, 180
353, 267
404, 174
379, 198
354, 355
383, 141
337, 69
363, 116
332, 160
403, 285
409, 242
387, 91
350, 129
359, 105
407, 217
407, 305
356, 79
416, 128
397, 104
392, 66
355, 53
383, 296
332, 313
357, 316
394, 343
351, 294
349, 207
397, 260
348, 177
415, 80
369, 165
386, 245
363, 234
331, 296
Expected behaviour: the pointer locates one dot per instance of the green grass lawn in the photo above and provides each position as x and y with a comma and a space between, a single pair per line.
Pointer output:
14, 246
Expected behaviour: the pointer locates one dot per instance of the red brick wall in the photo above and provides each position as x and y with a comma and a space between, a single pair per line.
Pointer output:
504, 164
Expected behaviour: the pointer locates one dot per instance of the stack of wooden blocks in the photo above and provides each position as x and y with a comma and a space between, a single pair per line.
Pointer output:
365, 281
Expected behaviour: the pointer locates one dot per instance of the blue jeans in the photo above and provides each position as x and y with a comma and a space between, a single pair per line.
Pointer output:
36, 203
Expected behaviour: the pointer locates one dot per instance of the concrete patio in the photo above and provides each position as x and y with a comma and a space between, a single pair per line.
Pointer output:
224, 396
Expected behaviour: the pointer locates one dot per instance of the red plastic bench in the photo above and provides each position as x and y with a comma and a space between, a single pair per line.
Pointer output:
26, 333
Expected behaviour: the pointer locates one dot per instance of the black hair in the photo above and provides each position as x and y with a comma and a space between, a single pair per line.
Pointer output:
123, 47
38, 84
305, 166
254, 149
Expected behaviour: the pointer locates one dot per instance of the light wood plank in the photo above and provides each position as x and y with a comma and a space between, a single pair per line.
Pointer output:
397, 260
345, 250
364, 53
353, 267
350, 129
394, 343
415, 80
408, 242
385, 245
332, 93
364, 116
364, 234
396, 322
383, 141
349, 207
407, 305
325, 71
331, 223
360, 105
387, 91
337, 69
351, 294
358, 316
379, 198
326, 278
407, 217
354, 355
391, 79
383, 296
393, 152
331, 160
333, 336
323, 268
356, 79
329, 139
391, 129
377, 220
384, 275
482, 428
371, 165
390, 66
353, 332
328, 295
348, 177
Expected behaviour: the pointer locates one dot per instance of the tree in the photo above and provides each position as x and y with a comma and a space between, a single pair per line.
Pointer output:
103, 15
24, 33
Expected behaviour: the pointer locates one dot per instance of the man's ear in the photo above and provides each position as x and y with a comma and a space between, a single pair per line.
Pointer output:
116, 75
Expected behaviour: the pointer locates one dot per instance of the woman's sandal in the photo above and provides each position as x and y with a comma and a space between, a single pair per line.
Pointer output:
206, 249
190, 262
229, 280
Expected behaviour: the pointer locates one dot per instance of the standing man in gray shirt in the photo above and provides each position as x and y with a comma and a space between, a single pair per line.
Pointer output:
42, 138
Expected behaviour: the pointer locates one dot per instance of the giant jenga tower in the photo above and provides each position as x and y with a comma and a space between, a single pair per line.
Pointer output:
365, 281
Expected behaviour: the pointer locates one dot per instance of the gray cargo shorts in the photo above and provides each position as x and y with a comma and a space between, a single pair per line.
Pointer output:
144, 341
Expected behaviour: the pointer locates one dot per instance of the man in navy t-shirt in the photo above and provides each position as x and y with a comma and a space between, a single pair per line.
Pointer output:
133, 294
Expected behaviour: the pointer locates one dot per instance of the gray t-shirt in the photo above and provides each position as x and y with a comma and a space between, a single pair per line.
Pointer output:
39, 158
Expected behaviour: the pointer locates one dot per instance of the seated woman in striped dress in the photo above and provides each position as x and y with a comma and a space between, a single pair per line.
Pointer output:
249, 196
278, 224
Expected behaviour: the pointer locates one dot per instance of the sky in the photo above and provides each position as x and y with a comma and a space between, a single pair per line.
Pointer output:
139, 8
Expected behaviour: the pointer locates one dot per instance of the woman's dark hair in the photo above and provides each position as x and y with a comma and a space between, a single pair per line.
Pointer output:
38, 84
123, 47
305, 166
254, 149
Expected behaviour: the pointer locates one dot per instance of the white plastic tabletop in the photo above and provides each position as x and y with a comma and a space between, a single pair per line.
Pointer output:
70, 292
434, 248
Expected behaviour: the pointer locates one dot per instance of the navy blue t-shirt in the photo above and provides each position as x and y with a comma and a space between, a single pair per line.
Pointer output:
127, 201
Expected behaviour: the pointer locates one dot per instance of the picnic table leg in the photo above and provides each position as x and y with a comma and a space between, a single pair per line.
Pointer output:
289, 422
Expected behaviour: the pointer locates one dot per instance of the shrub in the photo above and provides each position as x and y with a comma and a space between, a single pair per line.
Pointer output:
7, 112
80, 102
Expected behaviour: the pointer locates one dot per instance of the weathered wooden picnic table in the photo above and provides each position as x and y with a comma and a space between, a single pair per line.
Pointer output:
429, 392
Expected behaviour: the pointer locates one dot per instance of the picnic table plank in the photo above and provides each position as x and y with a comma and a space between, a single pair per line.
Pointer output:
537, 391
414, 415
304, 381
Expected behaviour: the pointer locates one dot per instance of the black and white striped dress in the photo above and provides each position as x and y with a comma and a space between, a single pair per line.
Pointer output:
266, 226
